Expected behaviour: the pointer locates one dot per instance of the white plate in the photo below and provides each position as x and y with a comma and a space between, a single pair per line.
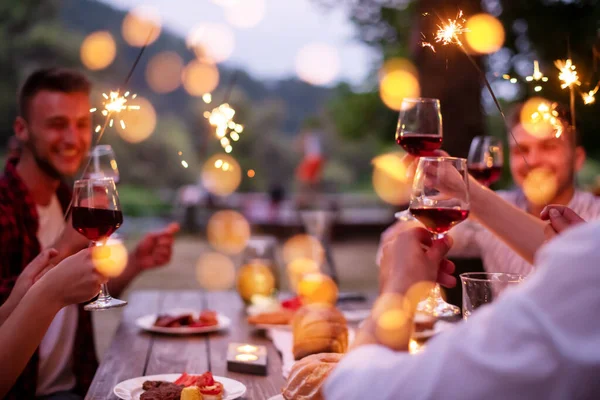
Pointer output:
278, 397
132, 388
147, 323
356, 315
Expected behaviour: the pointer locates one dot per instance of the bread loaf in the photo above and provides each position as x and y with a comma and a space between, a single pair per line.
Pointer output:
319, 328
307, 376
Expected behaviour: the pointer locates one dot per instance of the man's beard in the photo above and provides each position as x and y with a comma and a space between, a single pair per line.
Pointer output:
42, 162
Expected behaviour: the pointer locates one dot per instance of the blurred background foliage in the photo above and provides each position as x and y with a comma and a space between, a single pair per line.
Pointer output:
358, 123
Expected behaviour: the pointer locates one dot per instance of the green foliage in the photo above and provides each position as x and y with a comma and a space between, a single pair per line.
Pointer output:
140, 201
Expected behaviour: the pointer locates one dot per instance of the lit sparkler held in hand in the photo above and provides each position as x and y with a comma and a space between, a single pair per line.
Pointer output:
568, 73
448, 33
590, 97
226, 129
114, 104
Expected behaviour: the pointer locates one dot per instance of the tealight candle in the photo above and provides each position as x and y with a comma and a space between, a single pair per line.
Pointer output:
247, 348
246, 357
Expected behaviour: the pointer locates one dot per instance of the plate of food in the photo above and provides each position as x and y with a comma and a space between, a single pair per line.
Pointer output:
273, 313
180, 386
184, 322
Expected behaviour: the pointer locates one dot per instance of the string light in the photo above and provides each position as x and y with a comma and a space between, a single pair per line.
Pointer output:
113, 105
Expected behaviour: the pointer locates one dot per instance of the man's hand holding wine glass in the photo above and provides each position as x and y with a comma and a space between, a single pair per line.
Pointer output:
413, 257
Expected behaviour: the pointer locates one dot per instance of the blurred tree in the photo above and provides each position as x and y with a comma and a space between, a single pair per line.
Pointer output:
27, 35
544, 30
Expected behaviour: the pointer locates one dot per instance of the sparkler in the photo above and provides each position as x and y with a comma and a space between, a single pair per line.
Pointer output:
226, 129
547, 113
449, 34
569, 78
113, 104
590, 97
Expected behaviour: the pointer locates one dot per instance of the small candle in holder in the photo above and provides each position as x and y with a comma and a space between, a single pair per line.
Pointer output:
247, 358
247, 348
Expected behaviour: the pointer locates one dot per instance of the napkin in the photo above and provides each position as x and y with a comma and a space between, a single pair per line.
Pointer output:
283, 340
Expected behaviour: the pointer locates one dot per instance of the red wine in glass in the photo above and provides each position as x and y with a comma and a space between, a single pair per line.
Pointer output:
96, 223
418, 144
484, 174
439, 219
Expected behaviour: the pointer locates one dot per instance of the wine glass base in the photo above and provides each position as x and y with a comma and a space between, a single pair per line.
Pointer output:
438, 308
104, 304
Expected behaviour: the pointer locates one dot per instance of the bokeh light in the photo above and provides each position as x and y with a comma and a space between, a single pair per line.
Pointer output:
211, 41
318, 63
255, 279
200, 77
485, 34
164, 72
298, 268
317, 288
110, 259
215, 271
228, 231
245, 14
398, 79
141, 25
540, 186
539, 118
221, 175
390, 180
303, 246
251, 173
139, 124
392, 323
98, 50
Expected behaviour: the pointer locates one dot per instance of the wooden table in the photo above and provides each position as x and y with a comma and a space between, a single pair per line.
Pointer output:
135, 353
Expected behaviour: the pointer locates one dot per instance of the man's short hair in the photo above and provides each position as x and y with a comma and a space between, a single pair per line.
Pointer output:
564, 116
54, 80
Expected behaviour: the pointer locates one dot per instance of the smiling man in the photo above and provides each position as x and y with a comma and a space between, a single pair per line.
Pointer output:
55, 135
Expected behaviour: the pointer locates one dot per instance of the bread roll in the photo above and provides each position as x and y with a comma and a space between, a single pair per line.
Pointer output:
307, 376
319, 328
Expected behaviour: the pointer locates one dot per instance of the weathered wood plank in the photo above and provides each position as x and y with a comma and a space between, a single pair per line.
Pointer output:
126, 356
178, 354
259, 387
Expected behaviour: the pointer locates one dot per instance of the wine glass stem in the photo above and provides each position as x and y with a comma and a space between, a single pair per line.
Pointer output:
435, 293
104, 295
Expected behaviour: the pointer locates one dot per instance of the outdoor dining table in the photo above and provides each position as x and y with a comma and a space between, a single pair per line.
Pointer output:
134, 352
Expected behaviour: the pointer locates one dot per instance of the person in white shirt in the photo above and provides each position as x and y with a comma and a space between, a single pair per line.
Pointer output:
41, 292
539, 340
502, 229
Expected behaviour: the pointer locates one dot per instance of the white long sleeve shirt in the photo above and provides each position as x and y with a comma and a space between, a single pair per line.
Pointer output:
473, 240
540, 340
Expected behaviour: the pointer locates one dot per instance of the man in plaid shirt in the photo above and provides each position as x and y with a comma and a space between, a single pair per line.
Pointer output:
54, 132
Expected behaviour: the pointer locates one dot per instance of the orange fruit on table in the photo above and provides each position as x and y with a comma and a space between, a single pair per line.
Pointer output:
317, 288
255, 278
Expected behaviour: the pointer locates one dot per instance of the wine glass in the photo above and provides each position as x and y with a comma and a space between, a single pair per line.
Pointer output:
486, 159
440, 200
419, 129
96, 214
103, 163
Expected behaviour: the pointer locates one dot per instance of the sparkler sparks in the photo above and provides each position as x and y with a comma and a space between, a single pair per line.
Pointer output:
448, 33
590, 97
547, 113
568, 73
115, 103
226, 128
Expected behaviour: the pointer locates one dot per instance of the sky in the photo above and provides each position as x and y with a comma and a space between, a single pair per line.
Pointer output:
270, 49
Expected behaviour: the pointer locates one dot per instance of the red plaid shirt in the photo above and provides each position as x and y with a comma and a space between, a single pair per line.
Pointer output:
18, 246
